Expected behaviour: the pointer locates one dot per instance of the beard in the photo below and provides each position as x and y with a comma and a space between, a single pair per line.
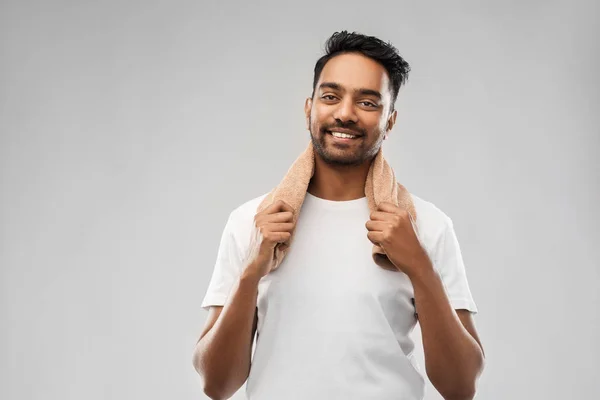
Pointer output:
344, 155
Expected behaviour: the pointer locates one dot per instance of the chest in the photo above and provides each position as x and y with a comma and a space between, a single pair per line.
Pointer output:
329, 275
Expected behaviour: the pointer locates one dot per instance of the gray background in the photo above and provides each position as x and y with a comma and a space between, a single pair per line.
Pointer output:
130, 130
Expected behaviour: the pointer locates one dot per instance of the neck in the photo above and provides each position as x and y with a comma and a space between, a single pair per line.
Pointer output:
338, 182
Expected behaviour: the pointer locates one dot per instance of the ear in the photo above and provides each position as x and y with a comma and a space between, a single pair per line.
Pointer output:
390, 123
307, 108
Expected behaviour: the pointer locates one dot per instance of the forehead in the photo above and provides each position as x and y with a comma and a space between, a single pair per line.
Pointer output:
353, 71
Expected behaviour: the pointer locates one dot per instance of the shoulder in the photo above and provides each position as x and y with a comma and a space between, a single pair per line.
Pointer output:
428, 213
241, 220
432, 222
245, 212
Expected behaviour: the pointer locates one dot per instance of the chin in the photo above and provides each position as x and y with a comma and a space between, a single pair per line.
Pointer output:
334, 155
337, 157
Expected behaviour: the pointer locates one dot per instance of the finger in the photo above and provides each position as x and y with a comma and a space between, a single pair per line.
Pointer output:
375, 237
377, 225
282, 246
278, 227
284, 216
282, 237
278, 206
381, 216
276, 237
388, 207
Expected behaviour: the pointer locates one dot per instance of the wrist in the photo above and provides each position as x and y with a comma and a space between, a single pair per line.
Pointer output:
250, 275
423, 271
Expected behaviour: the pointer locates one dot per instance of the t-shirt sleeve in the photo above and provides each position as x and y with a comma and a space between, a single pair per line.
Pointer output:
449, 263
227, 268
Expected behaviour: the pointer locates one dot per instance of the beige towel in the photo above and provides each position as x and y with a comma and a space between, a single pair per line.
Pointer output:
380, 186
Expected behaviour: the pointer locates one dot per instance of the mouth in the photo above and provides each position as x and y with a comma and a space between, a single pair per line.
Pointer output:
343, 135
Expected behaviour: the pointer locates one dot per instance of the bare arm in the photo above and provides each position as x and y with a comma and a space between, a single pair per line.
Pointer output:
454, 357
223, 353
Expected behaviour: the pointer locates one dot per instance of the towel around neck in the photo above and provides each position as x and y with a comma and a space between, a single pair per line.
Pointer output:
380, 186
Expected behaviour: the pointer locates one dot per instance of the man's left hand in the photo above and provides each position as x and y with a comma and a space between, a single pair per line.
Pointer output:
393, 229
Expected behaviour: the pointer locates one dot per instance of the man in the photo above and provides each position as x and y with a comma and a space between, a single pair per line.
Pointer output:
329, 322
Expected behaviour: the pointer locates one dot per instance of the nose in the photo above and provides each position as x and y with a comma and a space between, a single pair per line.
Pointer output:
345, 111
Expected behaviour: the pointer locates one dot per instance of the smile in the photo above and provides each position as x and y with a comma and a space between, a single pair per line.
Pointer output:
342, 135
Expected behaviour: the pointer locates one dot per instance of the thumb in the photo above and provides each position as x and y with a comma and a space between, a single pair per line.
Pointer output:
282, 246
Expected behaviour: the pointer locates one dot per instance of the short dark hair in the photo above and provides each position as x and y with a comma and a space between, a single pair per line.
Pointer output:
384, 53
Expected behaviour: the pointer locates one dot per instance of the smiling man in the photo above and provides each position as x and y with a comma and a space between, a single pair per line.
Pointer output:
329, 322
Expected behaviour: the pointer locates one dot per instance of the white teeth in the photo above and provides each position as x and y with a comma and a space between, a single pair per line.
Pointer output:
342, 135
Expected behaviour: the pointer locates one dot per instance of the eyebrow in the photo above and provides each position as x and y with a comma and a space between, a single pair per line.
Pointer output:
363, 91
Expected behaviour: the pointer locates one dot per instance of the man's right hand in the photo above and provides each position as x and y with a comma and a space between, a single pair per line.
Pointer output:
273, 226
222, 356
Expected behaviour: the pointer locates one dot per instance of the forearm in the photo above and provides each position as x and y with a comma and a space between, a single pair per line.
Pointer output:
453, 358
223, 356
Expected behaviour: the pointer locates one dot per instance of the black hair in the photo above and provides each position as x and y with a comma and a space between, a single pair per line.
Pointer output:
384, 53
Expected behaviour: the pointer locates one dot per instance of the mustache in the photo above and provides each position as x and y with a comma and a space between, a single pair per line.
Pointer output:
349, 127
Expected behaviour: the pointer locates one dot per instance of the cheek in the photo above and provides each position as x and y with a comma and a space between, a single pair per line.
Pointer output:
374, 123
317, 113
317, 116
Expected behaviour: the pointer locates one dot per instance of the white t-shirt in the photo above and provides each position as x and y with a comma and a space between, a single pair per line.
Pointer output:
332, 324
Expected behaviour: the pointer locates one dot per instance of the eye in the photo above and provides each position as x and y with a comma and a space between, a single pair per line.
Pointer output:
368, 104
328, 97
